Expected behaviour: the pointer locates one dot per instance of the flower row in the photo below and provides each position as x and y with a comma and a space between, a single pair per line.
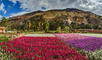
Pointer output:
83, 42
40, 48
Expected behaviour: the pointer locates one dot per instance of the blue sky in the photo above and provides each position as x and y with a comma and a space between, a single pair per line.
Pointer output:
9, 8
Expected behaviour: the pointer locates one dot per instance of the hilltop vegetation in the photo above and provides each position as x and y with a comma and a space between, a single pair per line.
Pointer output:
54, 20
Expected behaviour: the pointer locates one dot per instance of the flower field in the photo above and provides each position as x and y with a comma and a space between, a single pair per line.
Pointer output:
88, 45
39, 48
52, 47
84, 42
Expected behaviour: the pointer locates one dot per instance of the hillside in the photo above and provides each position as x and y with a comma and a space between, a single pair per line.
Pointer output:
71, 17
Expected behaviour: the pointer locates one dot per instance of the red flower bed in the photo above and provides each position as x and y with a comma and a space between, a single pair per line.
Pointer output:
40, 48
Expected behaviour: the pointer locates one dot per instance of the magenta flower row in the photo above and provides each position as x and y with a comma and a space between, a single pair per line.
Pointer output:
40, 48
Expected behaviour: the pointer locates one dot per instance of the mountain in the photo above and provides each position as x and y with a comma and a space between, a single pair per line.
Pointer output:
74, 18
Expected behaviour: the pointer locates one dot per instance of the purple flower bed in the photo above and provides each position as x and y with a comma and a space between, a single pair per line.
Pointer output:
83, 42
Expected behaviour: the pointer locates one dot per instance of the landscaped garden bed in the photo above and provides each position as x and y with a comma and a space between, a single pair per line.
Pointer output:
40, 48
90, 46
51, 47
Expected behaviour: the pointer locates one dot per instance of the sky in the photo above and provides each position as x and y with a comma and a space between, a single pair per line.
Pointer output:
10, 8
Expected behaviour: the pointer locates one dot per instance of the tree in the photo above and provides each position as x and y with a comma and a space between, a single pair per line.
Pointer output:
46, 26
29, 24
67, 29
58, 30
4, 22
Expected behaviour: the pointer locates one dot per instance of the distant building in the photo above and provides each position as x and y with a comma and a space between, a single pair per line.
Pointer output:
2, 29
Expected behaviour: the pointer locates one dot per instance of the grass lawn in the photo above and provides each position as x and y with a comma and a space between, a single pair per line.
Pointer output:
91, 34
3, 38
42, 32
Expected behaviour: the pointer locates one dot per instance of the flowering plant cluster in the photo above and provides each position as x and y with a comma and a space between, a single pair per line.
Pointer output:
4, 56
90, 46
40, 48
84, 42
96, 55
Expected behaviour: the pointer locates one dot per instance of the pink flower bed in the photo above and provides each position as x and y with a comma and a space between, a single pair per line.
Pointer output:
72, 36
40, 48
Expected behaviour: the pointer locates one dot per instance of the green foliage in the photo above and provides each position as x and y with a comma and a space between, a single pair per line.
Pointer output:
4, 56
84, 26
58, 30
47, 26
66, 29
74, 25
92, 55
3, 38
4, 22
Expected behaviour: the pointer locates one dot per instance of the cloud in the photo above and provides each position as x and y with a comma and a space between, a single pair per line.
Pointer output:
17, 14
2, 8
94, 6
33, 5
13, 1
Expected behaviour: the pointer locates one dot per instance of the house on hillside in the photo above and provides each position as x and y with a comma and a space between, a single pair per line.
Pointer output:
2, 29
